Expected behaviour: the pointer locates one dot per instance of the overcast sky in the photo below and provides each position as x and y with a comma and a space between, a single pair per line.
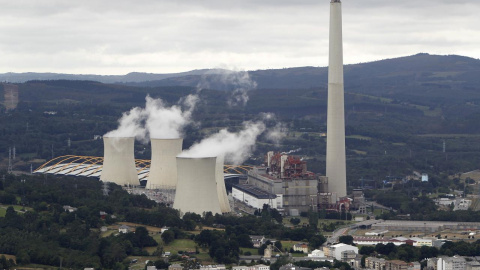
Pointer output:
163, 36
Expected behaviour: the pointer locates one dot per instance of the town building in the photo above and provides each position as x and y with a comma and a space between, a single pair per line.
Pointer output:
300, 247
336, 250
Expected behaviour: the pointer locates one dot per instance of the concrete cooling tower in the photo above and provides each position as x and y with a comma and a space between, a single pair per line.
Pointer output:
119, 161
221, 190
197, 187
163, 166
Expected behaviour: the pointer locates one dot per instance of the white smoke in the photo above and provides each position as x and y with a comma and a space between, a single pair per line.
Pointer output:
130, 125
165, 122
235, 147
277, 132
238, 82
156, 120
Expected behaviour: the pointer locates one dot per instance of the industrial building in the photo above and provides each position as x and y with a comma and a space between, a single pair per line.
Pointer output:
287, 177
255, 197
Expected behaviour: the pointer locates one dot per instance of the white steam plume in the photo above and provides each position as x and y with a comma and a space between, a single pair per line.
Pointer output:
156, 120
238, 82
130, 125
235, 147
165, 122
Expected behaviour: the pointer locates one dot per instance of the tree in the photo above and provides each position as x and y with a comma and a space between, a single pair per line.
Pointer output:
168, 236
346, 239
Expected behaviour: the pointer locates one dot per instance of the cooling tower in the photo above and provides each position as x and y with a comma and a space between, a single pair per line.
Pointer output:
221, 190
119, 161
196, 186
336, 164
163, 166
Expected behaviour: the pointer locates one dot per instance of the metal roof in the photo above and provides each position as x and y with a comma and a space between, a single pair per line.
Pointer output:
90, 166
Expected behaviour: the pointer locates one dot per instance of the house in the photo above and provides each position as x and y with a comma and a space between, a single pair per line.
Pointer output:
212, 267
124, 229
175, 267
163, 229
69, 209
301, 247
293, 267
257, 240
103, 215
317, 253
375, 263
396, 265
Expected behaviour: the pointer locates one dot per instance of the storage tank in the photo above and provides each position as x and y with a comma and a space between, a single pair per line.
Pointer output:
196, 186
119, 161
163, 166
221, 190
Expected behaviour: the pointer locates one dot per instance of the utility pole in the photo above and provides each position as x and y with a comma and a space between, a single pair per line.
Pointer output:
9, 170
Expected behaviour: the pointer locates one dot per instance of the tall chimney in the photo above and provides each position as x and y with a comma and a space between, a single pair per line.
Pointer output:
336, 164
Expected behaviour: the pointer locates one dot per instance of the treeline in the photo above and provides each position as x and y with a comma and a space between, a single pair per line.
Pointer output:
410, 253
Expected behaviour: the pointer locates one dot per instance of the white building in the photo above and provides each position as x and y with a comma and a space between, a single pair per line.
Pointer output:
254, 196
336, 250
451, 263
317, 253
418, 242
213, 267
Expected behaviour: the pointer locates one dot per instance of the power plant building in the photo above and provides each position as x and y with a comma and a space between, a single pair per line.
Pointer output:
255, 197
163, 167
119, 161
287, 178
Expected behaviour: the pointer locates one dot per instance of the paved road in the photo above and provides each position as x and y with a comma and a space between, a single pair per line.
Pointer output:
343, 231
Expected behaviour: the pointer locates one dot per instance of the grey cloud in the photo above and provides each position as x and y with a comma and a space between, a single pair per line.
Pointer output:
165, 36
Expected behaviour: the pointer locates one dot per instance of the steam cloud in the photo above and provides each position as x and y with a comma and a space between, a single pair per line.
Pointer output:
156, 120
130, 125
235, 147
165, 122
238, 82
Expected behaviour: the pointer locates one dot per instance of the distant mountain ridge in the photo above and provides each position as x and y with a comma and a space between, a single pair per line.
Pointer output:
13, 77
407, 78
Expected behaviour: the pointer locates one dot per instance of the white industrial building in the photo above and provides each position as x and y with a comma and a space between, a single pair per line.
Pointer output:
163, 166
119, 161
197, 190
336, 250
254, 196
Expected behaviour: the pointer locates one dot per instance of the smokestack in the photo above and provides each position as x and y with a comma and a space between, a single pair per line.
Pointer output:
336, 164
163, 166
197, 187
119, 161
221, 190
269, 158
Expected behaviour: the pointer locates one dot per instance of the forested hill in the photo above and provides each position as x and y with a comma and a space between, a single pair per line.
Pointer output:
407, 78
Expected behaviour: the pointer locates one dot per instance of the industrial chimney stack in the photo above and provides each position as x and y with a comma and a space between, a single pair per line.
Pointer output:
336, 164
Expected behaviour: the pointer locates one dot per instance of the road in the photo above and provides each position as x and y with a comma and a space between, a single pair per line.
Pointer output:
342, 231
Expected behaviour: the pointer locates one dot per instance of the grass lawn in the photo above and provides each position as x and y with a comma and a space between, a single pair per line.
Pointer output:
253, 251
180, 245
18, 208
